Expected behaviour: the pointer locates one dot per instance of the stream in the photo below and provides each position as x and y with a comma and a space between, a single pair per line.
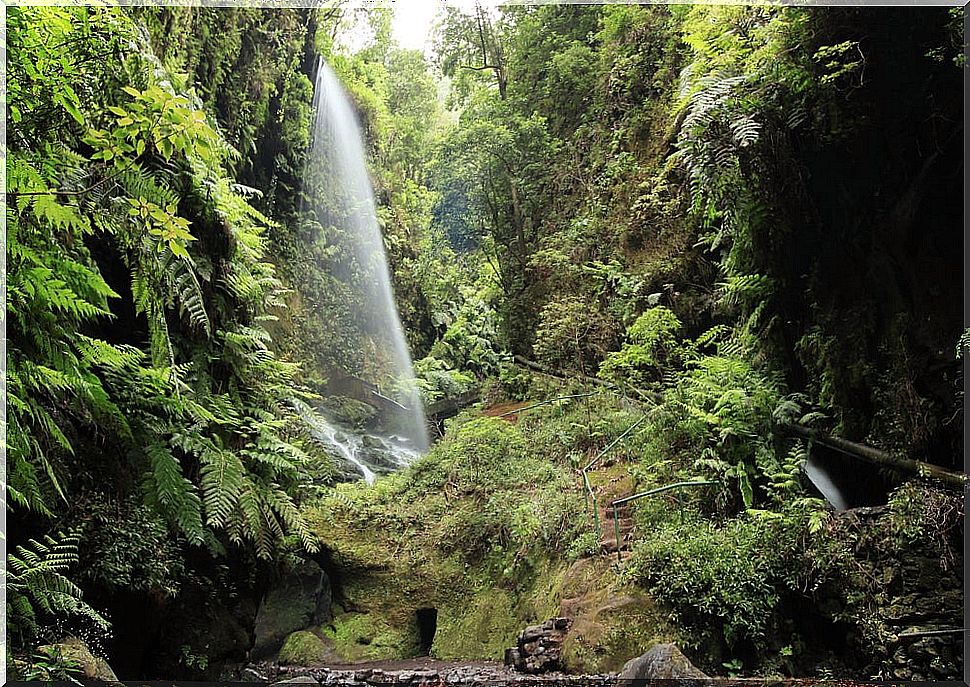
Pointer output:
359, 454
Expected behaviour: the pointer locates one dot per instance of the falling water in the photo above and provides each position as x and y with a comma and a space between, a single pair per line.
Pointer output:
823, 481
342, 201
362, 453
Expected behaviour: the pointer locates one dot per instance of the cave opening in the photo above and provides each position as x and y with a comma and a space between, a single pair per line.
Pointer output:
427, 621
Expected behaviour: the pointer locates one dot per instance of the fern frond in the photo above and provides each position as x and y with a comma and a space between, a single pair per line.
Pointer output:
221, 477
173, 492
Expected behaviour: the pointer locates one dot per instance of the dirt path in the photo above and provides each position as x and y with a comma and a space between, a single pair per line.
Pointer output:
500, 409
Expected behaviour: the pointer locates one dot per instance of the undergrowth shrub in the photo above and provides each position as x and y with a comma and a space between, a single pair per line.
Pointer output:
651, 347
724, 412
729, 579
479, 495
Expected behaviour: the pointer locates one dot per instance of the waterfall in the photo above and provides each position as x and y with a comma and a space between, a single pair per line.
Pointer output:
357, 453
824, 482
341, 200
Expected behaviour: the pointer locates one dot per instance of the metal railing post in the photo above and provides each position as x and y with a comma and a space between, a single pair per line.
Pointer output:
650, 492
616, 531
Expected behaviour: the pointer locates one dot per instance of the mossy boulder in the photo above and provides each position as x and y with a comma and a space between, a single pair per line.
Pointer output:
300, 599
303, 648
611, 621
76, 653
369, 637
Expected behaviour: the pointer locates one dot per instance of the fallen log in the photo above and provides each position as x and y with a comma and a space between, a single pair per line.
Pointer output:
875, 455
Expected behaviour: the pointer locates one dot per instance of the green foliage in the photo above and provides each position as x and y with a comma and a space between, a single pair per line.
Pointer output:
725, 411
651, 347
732, 576
572, 335
38, 590
437, 381
920, 514
510, 503
129, 547
173, 369
49, 663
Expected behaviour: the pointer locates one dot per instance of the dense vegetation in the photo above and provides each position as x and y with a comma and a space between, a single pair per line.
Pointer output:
698, 224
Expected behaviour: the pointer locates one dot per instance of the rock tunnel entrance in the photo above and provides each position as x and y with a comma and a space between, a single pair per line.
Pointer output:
427, 622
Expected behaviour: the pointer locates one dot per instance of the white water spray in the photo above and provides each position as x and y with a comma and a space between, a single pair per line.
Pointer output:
361, 452
342, 201
824, 483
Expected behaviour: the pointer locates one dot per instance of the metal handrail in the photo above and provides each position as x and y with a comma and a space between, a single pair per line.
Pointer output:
650, 492
615, 442
591, 498
585, 470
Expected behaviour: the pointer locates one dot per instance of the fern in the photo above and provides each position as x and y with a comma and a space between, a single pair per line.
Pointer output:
37, 585
175, 494
185, 284
196, 409
222, 481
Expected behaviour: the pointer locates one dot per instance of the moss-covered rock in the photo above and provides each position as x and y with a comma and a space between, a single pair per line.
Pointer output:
297, 601
76, 653
612, 621
479, 530
370, 637
347, 410
303, 648
480, 628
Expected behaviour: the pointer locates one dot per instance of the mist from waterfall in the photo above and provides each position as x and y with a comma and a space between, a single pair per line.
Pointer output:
341, 199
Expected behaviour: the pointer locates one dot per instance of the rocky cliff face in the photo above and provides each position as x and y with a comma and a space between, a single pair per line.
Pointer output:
916, 599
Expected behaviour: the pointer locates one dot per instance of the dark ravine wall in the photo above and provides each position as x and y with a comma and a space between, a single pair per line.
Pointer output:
874, 257
918, 588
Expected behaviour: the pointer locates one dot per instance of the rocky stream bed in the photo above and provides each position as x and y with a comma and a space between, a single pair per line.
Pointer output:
427, 672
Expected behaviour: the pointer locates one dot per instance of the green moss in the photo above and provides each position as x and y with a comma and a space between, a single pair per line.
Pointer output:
304, 648
479, 529
348, 410
612, 621
369, 637
480, 628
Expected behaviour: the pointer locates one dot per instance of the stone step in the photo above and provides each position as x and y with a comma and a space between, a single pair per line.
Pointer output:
608, 545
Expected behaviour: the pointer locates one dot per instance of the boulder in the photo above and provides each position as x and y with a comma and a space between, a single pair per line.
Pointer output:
300, 599
663, 662
303, 648
93, 667
539, 647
